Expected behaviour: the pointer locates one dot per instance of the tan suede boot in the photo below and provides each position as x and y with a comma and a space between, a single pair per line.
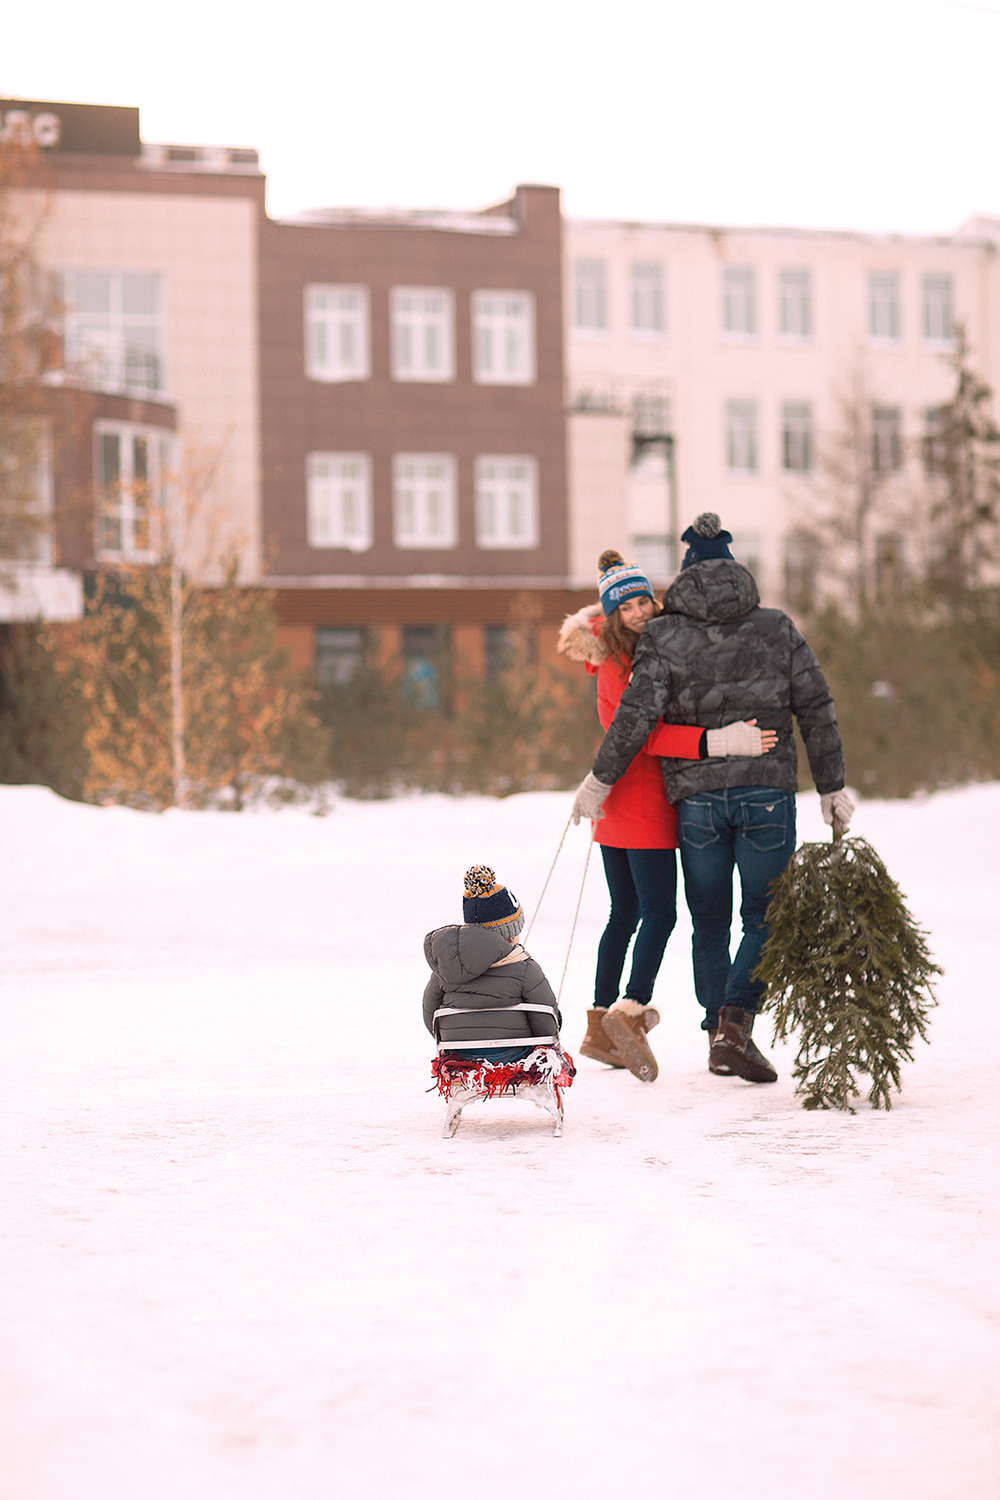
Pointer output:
626, 1024
597, 1045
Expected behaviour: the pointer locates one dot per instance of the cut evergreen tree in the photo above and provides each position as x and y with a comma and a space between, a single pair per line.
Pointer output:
848, 970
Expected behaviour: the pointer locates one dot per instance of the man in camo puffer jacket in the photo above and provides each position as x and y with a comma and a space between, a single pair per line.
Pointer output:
713, 657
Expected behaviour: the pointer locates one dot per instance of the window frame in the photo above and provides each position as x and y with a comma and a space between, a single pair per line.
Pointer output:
887, 427
420, 371
363, 539
503, 538
734, 297
600, 327
798, 425
787, 278
733, 408
118, 323
315, 318
945, 280
161, 443
657, 284
419, 538
496, 327
879, 339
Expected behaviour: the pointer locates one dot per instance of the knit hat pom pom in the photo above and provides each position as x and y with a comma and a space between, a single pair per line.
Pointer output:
610, 559
479, 880
707, 524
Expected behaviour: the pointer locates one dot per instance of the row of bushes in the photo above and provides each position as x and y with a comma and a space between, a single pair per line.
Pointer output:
918, 704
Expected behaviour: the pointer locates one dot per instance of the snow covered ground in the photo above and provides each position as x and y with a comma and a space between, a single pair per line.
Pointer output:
238, 1263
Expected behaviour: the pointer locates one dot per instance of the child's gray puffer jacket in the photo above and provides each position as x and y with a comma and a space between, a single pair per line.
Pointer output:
477, 970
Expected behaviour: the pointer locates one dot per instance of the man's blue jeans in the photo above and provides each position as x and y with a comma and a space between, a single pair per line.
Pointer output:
751, 829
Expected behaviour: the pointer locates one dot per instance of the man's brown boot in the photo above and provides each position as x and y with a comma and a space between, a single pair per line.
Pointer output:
627, 1023
721, 1068
597, 1044
735, 1048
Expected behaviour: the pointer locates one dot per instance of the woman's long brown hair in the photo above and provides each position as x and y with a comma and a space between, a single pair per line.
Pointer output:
620, 640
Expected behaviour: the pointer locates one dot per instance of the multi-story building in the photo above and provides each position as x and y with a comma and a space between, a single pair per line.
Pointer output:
153, 253
413, 428
711, 368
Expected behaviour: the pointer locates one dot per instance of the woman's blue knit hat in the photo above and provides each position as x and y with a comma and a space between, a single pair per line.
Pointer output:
487, 903
620, 581
706, 539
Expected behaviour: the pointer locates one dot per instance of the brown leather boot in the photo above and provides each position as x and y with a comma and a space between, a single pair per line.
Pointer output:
734, 1047
626, 1023
723, 1069
597, 1044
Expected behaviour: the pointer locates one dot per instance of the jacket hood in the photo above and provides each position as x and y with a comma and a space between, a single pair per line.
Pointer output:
713, 591
459, 954
577, 638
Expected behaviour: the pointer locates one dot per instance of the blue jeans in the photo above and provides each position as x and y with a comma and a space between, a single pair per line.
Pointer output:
749, 828
643, 886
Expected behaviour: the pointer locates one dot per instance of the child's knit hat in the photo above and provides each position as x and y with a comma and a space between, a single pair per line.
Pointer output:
487, 903
706, 539
620, 581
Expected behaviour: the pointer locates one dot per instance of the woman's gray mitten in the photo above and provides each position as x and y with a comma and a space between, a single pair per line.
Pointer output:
589, 799
740, 738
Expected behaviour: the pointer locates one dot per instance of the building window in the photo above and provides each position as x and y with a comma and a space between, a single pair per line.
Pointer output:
887, 440
890, 570
651, 415
802, 554
884, 320
503, 338
647, 299
797, 437
340, 652
425, 512
739, 301
506, 502
741, 437
26, 488
938, 317
114, 329
131, 466
747, 550
937, 420
795, 294
423, 333
426, 653
339, 500
336, 333
590, 296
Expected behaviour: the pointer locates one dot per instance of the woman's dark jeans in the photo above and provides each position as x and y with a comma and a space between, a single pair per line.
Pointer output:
643, 886
751, 829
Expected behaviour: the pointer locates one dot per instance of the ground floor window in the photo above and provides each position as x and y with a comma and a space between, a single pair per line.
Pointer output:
340, 651
426, 651
131, 469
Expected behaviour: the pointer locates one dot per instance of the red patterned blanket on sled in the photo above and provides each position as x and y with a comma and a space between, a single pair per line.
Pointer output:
454, 1071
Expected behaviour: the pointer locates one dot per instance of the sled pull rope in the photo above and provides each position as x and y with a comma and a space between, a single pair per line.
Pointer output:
576, 914
548, 877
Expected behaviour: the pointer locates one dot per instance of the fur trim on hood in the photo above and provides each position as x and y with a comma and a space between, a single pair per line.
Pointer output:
578, 641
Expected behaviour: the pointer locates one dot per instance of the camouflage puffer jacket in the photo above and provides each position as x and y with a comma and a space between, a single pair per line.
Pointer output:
714, 657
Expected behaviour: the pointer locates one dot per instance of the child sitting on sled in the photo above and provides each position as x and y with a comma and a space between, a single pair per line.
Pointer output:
487, 1004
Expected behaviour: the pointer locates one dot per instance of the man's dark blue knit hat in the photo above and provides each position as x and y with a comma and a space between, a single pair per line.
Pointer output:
706, 539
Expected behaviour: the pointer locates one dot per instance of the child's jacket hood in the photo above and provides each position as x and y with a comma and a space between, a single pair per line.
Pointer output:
460, 954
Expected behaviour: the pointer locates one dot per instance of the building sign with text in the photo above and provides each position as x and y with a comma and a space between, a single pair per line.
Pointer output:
83, 129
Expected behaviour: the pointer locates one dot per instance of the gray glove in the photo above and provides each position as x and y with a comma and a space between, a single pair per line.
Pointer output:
589, 799
736, 739
839, 805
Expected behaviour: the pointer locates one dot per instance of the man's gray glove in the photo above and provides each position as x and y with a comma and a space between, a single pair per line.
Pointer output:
837, 805
736, 739
589, 799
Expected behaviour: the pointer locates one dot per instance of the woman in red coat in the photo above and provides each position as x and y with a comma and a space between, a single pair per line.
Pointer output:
638, 832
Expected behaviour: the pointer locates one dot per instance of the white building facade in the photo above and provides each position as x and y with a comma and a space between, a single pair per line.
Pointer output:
709, 369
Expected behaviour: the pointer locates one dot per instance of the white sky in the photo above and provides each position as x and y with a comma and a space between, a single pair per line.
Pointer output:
872, 114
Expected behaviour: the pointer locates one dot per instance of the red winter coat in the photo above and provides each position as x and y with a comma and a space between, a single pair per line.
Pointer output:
637, 814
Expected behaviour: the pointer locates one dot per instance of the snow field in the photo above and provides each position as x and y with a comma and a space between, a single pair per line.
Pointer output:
238, 1263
